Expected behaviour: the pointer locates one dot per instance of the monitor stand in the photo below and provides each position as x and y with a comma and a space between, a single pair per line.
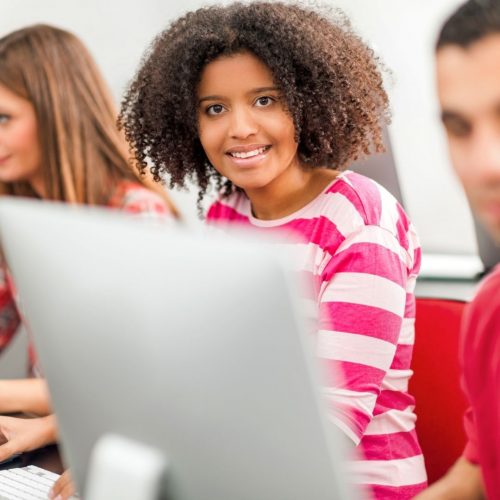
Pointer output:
126, 469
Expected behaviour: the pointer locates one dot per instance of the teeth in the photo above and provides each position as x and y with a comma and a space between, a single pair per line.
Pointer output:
248, 154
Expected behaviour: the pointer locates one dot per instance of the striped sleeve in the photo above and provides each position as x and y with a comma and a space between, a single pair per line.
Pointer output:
361, 310
9, 316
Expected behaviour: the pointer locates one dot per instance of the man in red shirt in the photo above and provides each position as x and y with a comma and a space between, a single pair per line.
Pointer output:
468, 77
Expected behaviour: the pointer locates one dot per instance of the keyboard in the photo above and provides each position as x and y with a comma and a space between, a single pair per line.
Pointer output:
26, 483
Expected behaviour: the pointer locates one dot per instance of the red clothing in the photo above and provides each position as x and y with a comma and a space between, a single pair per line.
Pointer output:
130, 197
480, 351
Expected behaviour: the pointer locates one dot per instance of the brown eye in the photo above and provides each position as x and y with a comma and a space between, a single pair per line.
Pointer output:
215, 109
264, 101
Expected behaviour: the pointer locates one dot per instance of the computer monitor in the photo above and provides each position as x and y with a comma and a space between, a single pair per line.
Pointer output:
189, 345
381, 167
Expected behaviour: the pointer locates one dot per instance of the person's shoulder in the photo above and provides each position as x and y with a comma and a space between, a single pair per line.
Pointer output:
487, 296
480, 339
373, 205
133, 197
482, 315
228, 208
363, 205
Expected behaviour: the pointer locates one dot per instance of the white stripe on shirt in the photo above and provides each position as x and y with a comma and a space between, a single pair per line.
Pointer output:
396, 380
355, 348
399, 472
366, 289
391, 421
407, 335
377, 236
363, 401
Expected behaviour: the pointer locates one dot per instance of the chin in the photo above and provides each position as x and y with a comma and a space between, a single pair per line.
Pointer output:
8, 176
250, 184
5, 179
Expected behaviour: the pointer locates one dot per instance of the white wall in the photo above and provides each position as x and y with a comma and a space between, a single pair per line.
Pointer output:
116, 31
402, 31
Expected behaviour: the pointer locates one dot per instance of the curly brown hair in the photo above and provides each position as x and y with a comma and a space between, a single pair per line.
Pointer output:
330, 81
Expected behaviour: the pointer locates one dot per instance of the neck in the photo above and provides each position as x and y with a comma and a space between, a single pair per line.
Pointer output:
288, 194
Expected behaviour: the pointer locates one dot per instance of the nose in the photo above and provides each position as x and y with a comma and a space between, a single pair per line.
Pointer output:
243, 123
486, 155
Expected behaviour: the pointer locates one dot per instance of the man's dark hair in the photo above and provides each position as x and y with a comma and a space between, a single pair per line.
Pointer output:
471, 22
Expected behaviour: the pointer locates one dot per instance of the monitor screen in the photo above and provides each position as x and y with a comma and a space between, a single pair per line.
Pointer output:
189, 344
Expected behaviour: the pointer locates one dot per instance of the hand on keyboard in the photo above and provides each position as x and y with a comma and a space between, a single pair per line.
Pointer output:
64, 488
18, 435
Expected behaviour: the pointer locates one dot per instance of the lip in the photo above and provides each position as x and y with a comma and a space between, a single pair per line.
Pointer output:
246, 148
3, 159
248, 162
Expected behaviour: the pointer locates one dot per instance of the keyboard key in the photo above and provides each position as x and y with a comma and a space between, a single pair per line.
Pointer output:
26, 483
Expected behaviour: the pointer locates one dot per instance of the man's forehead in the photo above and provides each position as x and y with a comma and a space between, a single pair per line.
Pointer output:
469, 78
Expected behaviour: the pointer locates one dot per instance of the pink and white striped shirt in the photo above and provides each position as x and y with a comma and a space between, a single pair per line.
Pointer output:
360, 252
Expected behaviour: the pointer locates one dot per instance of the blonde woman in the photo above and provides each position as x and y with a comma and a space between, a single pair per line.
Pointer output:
58, 141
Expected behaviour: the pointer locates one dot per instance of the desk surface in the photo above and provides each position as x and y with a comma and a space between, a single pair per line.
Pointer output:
47, 458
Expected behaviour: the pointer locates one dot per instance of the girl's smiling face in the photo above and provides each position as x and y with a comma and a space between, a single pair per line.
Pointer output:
244, 128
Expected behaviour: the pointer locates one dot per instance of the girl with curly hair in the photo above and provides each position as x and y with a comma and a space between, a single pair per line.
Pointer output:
58, 141
270, 102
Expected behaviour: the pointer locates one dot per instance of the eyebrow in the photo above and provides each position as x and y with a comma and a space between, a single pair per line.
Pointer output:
257, 90
447, 115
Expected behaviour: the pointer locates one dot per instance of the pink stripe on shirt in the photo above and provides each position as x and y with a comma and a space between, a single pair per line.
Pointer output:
403, 356
320, 231
404, 445
358, 318
402, 227
392, 400
363, 189
222, 211
397, 492
381, 262
410, 306
364, 378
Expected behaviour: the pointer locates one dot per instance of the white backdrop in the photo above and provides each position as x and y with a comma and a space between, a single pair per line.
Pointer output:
401, 31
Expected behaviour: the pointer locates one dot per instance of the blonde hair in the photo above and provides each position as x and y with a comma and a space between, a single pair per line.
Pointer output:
83, 153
